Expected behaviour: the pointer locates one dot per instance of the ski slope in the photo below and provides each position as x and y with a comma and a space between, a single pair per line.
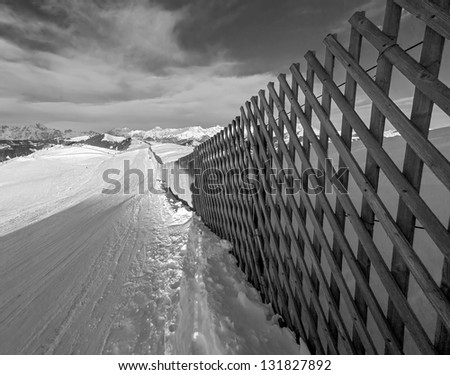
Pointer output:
83, 272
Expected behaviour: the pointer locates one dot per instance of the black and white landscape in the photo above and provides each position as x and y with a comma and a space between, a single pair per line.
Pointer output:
101, 254
87, 273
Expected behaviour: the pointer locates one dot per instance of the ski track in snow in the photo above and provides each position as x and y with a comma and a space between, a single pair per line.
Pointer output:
86, 273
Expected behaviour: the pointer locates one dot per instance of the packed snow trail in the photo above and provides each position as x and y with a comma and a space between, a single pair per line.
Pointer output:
83, 272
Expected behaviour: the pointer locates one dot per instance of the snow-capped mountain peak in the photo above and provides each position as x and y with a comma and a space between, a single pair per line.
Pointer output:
37, 132
192, 135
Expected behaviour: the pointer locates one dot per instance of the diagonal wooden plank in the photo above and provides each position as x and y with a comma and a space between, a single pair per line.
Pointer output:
436, 17
232, 213
340, 236
416, 329
313, 339
421, 146
391, 25
261, 242
326, 104
417, 268
382, 158
420, 76
265, 278
422, 108
442, 336
346, 134
308, 205
314, 297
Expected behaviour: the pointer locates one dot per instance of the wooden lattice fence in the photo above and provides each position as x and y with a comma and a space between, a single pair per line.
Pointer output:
346, 268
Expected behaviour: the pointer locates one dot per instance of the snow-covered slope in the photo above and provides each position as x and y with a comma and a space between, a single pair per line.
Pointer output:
111, 138
168, 152
13, 149
83, 272
81, 138
101, 140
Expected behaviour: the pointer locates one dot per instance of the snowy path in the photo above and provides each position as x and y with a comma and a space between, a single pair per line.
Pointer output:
86, 273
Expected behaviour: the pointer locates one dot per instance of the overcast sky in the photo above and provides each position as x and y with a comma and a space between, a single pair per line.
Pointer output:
99, 64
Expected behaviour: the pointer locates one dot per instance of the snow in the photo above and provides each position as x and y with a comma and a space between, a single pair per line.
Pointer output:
391, 133
83, 272
81, 138
196, 133
220, 313
36, 132
169, 152
46, 181
111, 138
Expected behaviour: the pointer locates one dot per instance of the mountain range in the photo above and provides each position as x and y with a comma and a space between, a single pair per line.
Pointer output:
38, 132
184, 136
191, 136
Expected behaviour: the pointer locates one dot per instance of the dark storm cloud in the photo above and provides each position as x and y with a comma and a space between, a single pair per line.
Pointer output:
261, 34
117, 30
20, 13
36, 10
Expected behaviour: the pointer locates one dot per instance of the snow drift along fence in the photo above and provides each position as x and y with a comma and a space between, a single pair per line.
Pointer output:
355, 272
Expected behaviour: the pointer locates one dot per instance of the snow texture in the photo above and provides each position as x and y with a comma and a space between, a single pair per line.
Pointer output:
83, 272
112, 138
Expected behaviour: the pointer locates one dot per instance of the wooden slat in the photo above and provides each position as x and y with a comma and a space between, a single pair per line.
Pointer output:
205, 204
407, 191
414, 263
338, 231
267, 233
289, 183
433, 15
422, 109
421, 77
421, 146
340, 236
267, 283
306, 143
323, 136
233, 214
226, 224
305, 183
261, 149
208, 212
346, 135
308, 205
398, 179
313, 339
442, 337
292, 140
314, 297
391, 25
272, 282
218, 212
418, 333
217, 202
247, 231
300, 258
